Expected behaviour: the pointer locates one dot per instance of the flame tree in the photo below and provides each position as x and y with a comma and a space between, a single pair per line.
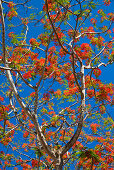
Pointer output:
55, 107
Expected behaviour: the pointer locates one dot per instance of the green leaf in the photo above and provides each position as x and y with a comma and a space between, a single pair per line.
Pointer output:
77, 12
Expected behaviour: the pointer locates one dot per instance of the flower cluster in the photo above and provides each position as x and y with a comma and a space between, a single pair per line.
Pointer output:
27, 75
12, 14
1, 99
46, 96
105, 91
25, 134
62, 52
90, 93
97, 41
33, 42
51, 5
11, 35
106, 2
71, 91
34, 163
11, 4
90, 29
32, 94
94, 127
43, 38
84, 52
97, 72
93, 21
111, 16
60, 35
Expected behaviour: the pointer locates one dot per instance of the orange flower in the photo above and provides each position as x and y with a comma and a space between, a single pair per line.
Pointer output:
31, 125
12, 14
90, 93
11, 35
1, 99
58, 92
78, 144
27, 75
32, 94
24, 145
93, 20
94, 127
11, 4
46, 96
85, 46
25, 135
34, 163
107, 2
100, 139
109, 159
97, 72
33, 41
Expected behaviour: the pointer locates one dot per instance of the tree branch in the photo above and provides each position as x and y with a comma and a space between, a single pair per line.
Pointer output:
55, 29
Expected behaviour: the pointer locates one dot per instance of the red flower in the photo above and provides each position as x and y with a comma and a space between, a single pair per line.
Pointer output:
18, 161
11, 4
97, 41
104, 92
46, 96
94, 127
34, 56
62, 52
24, 115
32, 94
24, 145
111, 16
25, 135
6, 108
1, 99
90, 29
34, 163
100, 11
12, 14
52, 49
93, 20
27, 75
77, 144
11, 34
85, 46
90, 93
107, 2
31, 125
97, 72
58, 92
32, 41
109, 159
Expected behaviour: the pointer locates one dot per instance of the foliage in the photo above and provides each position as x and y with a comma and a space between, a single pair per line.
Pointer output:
55, 108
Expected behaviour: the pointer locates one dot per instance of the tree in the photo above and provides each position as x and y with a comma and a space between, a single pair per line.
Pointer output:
55, 108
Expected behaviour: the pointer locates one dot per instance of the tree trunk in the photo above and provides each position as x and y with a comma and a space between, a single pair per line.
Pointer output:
59, 165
